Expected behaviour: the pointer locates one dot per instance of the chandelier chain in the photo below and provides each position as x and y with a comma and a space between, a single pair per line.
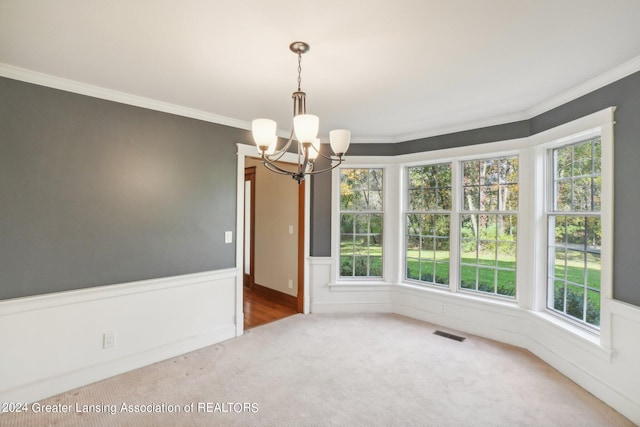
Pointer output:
299, 70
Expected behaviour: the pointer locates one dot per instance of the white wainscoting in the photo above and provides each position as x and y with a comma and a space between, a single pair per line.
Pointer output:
612, 374
332, 298
53, 343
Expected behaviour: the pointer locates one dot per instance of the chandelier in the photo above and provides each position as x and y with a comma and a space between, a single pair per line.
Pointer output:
304, 132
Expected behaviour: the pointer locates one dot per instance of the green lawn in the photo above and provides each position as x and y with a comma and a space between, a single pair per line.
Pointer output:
486, 274
486, 268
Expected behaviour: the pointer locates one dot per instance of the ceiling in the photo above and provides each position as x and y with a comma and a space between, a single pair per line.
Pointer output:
387, 70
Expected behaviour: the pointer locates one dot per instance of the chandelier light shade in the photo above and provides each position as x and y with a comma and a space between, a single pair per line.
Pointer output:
315, 149
264, 133
306, 127
304, 132
339, 140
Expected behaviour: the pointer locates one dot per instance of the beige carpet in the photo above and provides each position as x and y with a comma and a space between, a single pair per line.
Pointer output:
335, 370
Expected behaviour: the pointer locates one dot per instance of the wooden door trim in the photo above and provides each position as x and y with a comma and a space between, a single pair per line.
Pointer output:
249, 280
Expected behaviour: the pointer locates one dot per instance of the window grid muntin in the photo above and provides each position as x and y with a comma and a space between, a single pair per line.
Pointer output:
497, 181
593, 211
439, 212
585, 249
359, 257
425, 254
594, 175
488, 184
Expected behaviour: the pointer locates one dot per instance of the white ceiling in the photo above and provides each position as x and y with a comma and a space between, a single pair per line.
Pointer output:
386, 70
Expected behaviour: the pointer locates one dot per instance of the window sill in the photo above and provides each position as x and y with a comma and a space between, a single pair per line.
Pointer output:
360, 285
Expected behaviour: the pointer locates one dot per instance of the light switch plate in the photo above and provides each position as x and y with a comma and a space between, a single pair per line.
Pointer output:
228, 236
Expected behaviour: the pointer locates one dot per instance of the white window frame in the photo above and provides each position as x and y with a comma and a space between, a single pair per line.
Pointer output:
405, 212
387, 247
460, 212
596, 124
551, 212
531, 267
456, 156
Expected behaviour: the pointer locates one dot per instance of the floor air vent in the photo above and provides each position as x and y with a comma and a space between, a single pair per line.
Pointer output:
450, 336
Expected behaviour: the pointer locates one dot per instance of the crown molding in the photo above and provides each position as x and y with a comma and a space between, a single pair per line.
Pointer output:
67, 85
374, 139
591, 85
604, 79
475, 124
600, 81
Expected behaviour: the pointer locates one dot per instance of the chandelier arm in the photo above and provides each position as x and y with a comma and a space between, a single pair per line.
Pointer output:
277, 155
305, 163
327, 169
332, 158
275, 168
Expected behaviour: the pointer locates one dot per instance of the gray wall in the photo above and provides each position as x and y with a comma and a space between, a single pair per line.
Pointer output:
320, 206
94, 192
624, 94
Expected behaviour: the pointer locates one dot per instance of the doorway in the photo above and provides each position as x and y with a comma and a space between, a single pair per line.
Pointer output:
248, 273
273, 245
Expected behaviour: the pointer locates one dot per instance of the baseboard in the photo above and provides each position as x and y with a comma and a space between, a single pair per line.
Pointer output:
607, 370
464, 326
51, 386
587, 380
276, 296
351, 307
55, 341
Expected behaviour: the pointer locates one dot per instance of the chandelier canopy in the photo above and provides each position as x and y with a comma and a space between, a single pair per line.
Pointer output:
304, 132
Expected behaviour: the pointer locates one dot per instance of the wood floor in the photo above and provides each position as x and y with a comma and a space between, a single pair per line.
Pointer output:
259, 310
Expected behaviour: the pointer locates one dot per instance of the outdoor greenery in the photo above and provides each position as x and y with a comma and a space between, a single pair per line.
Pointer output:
576, 233
575, 303
433, 268
575, 254
361, 190
577, 180
491, 184
488, 224
361, 223
427, 223
429, 188
488, 228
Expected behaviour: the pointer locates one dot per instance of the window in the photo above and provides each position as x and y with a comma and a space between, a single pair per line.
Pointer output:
575, 232
488, 225
525, 224
427, 222
361, 222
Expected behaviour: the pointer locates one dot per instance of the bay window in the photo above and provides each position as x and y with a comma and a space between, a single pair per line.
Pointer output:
525, 223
